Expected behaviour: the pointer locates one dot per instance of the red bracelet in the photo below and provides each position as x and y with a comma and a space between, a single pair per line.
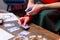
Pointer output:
27, 15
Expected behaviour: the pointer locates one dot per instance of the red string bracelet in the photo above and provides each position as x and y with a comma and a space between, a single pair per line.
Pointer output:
28, 15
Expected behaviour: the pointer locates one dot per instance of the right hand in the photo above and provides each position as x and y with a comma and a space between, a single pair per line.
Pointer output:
24, 20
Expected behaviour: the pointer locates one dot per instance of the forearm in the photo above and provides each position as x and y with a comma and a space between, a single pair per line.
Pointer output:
52, 5
31, 1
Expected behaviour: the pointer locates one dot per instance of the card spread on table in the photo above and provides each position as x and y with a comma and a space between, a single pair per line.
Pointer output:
4, 35
8, 24
13, 29
10, 17
23, 33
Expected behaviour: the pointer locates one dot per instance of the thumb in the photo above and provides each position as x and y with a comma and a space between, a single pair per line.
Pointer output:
21, 20
26, 20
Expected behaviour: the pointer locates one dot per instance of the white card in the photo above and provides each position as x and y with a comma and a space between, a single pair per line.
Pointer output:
13, 29
23, 26
8, 24
23, 33
5, 35
10, 17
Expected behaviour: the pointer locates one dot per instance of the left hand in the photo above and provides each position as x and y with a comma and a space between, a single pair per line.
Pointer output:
36, 8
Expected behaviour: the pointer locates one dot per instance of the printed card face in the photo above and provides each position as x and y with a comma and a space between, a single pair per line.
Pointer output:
13, 29
28, 9
8, 24
23, 33
10, 17
23, 26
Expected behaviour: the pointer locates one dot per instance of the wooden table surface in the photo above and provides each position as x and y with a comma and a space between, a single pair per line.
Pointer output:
36, 30
39, 30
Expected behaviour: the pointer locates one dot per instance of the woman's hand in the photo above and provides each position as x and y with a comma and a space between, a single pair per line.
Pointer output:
35, 9
24, 20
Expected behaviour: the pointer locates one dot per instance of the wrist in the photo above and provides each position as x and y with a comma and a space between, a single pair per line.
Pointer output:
27, 15
30, 4
44, 6
31, 1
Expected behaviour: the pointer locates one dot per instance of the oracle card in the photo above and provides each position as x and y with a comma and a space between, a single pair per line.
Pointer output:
23, 33
25, 27
8, 24
10, 17
13, 29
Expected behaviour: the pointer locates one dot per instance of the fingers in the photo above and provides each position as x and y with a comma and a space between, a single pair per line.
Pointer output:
30, 12
21, 20
34, 11
26, 20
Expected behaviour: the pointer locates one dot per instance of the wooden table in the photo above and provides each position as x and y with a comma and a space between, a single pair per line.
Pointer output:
37, 30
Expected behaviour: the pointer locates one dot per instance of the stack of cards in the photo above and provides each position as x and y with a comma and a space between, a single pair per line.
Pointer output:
28, 9
10, 21
12, 26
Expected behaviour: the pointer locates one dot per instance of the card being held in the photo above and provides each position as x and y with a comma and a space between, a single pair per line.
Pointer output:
25, 27
28, 9
13, 29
